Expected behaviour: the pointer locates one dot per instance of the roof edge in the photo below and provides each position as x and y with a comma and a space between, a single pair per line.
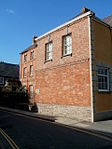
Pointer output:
104, 23
29, 48
60, 26
65, 24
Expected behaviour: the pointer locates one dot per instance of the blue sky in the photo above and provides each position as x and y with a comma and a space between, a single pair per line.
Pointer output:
21, 19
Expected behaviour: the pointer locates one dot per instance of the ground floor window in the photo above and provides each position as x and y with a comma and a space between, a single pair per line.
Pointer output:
31, 90
103, 79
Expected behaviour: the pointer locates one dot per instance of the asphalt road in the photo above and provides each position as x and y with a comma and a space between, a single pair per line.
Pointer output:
31, 133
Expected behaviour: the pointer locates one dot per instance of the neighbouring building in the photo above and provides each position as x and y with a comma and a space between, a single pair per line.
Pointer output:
9, 76
68, 70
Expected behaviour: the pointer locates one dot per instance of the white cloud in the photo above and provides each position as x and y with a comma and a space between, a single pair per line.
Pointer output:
10, 11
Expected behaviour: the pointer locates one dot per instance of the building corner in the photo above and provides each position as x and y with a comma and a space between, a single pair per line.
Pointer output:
91, 68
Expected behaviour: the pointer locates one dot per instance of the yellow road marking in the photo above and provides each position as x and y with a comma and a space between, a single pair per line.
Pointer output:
9, 140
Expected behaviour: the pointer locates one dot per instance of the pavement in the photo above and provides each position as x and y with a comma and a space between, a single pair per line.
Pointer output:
101, 126
104, 126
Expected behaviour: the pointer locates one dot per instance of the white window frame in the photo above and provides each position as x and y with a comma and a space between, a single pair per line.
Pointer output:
48, 51
103, 75
67, 44
31, 70
24, 72
31, 90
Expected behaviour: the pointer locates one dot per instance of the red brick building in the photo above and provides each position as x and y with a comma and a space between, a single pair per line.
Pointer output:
57, 69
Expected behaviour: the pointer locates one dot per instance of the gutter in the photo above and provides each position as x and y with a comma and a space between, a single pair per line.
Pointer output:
102, 22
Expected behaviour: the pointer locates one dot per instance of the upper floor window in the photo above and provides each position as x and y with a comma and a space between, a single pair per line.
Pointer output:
25, 58
48, 51
67, 44
31, 70
24, 72
103, 79
31, 55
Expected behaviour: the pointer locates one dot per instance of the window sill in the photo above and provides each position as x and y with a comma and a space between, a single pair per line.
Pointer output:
66, 55
103, 91
48, 61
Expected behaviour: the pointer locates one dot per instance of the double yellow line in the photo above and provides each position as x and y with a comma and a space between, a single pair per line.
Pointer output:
9, 140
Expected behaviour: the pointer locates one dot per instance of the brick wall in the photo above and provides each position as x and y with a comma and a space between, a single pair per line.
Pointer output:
64, 80
65, 84
28, 80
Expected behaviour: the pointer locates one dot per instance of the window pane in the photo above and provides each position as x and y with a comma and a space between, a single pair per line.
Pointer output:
50, 55
31, 90
67, 45
105, 71
68, 40
99, 85
47, 56
103, 78
50, 47
49, 51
